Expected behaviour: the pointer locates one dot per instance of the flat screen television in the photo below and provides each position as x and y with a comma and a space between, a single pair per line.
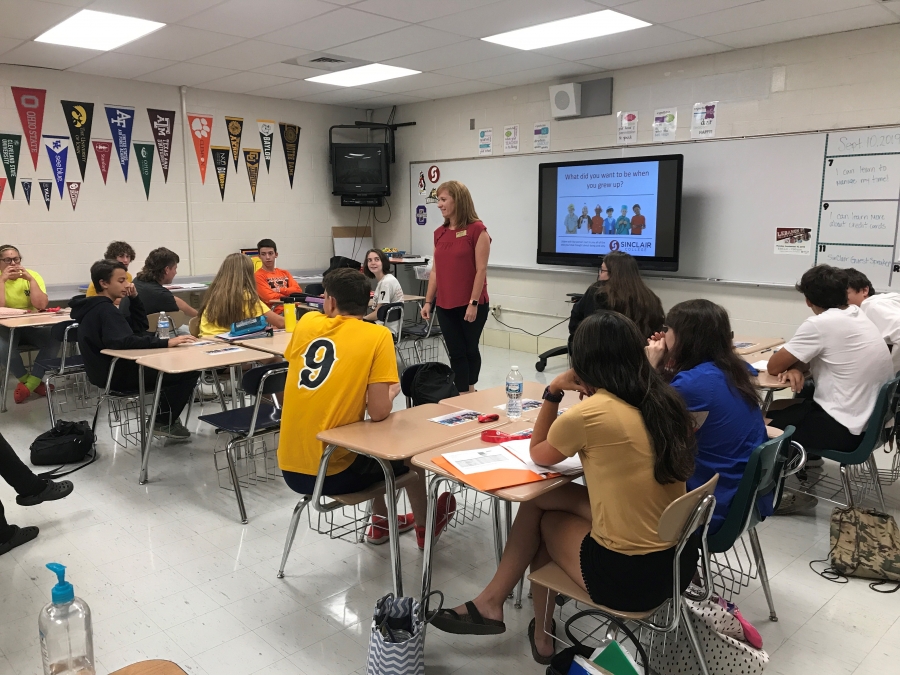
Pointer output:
360, 169
591, 207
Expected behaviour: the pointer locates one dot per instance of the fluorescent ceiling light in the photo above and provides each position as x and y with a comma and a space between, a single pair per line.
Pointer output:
354, 77
98, 30
563, 31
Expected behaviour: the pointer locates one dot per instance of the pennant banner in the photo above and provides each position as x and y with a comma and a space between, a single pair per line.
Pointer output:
162, 123
10, 144
235, 126
220, 162
251, 159
58, 152
30, 104
26, 188
103, 152
266, 134
144, 154
201, 130
46, 190
79, 117
290, 139
2, 187
121, 123
74, 189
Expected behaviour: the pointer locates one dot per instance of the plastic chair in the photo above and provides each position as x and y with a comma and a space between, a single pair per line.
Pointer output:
55, 368
682, 518
391, 315
176, 319
421, 332
194, 326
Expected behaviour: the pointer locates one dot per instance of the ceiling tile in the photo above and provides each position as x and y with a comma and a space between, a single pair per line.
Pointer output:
249, 55
332, 29
178, 43
507, 15
640, 38
8, 43
401, 85
295, 89
408, 40
639, 57
290, 71
501, 65
458, 89
26, 19
42, 55
663, 11
345, 96
166, 11
392, 99
126, 66
249, 19
187, 74
241, 83
417, 11
535, 75
452, 55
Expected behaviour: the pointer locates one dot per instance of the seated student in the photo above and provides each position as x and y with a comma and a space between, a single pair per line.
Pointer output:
102, 326
341, 367
696, 354
117, 250
272, 283
882, 309
24, 289
232, 297
387, 288
619, 287
636, 442
160, 269
847, 358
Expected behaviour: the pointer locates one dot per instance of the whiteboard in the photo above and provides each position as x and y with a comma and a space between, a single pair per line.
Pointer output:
736, 194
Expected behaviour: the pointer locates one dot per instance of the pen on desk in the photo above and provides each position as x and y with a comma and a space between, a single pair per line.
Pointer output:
766, 350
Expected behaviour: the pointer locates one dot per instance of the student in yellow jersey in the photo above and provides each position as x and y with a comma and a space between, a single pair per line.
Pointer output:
341, 367
117, 250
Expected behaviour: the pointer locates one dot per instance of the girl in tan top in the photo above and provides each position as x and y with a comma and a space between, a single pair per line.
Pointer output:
635, 439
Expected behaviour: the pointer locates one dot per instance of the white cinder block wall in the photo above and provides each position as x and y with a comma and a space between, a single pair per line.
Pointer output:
843, 80
62, 244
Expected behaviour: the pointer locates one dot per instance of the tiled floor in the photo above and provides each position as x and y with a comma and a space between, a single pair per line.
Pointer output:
169, 572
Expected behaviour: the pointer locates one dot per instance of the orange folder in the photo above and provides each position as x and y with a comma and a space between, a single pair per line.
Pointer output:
497, 479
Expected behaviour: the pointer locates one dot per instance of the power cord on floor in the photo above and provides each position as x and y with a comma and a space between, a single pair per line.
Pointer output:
494, 314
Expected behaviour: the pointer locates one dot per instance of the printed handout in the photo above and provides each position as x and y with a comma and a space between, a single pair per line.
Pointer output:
456, 418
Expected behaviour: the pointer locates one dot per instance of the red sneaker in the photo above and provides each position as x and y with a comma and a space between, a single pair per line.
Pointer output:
446, 507
21, 394
41, 389
377, 533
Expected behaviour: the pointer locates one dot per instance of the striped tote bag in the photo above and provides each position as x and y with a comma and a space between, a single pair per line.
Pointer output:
397, 640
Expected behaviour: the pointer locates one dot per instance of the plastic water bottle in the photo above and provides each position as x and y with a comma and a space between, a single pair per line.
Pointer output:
67, 640
163, 327
515, 384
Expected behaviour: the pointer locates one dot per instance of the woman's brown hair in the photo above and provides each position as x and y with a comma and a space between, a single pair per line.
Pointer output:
385, 263
625, 292
462, 199
231, 292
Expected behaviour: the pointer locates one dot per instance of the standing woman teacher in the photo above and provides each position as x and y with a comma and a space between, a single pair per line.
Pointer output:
457, 286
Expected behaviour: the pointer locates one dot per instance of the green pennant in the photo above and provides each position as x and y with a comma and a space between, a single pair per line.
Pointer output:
10, 144
143, 153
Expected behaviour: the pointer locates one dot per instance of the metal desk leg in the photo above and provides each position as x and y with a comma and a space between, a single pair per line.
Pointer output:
6, 372
433, 488
142, 404
509, 521
767, 401
145, 460
390, 499
498, 529
230, 454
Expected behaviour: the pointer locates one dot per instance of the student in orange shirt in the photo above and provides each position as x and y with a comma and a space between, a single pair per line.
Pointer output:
638, 222
272, 283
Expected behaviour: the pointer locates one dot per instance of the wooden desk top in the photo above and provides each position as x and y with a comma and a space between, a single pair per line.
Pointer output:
757, 343
186, 359
151, 667
35, 319
484, 401
133, 354
277, 344
403, 434
412, 298
517, 493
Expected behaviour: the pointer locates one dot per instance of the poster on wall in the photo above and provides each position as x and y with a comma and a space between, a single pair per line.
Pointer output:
266, 134
235, 128
26, 188
290, 141
103, 153
30, 104
46, 191
58, 152
703, 120
143, 152
626, 127
201, 130
541, 137
220, 164
121, 124
79, 118
74, 189
486, 141
665, 124
793, 240
10, 144
162, 124
510, 139
251, 160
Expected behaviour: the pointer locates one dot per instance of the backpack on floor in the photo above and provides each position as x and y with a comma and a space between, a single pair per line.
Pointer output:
66, 443
433, 382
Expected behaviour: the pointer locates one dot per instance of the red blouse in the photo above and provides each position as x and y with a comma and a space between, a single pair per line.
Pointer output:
454, 257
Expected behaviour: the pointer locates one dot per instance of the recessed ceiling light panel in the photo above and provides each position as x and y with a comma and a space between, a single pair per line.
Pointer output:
98, 30
596, 24
355, 77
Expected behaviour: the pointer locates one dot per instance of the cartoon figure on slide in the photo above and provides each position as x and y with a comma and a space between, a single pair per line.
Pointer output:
597, 221
571, 222
623, 224
584, 219
638, 222
609, 223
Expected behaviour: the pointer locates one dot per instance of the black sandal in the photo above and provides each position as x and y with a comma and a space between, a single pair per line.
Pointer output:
53, 490
472, 623
543, 660
21, 535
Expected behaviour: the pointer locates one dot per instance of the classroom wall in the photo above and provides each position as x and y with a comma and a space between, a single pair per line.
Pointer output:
847, 79
61, 243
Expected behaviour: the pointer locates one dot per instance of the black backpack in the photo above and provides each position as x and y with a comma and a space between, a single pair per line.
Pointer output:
66, 443
432, 382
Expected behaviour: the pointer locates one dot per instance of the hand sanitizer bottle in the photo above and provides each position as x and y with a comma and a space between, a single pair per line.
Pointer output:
67, 642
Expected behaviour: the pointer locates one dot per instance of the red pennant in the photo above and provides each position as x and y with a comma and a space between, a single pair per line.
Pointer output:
2, 187
201, 130
74, 189
103, 150
30, 104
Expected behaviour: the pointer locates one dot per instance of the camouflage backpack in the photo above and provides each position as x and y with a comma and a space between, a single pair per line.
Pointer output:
865, 543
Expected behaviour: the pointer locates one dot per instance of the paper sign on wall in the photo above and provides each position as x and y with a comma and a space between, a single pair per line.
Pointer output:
144, 154
121, 123
541, 137
162, 124
703, 120
220, 164
58, 152
793, 240
103, 152
201, 130
10, 145
266, 134
30, 104
665, 124
486, 142
627, 124
79, 118
511, 139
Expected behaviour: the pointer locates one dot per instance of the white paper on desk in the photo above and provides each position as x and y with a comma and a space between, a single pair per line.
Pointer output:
760, 365
483, 459
199, 343
224, 350
455, 418
522, 450
528, 404
184, 287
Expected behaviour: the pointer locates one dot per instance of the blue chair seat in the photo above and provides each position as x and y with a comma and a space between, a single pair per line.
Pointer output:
238, 421
75, 362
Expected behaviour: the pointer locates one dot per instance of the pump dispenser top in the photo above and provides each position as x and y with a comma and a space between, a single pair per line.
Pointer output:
63, 591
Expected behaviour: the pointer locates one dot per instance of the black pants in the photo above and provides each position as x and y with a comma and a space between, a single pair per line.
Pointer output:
362, 473
815, 428
20, 478
462, 339
177, 389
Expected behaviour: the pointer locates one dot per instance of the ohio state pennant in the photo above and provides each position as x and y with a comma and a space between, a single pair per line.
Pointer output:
235, 127
103, 153
121, 124
30, 104
46, 191
79, 117
266, 134
251, 160
201, 130
9, 154
74, 189
290, 140
58, 152
2, 188
144, 154
220, 163
162, 123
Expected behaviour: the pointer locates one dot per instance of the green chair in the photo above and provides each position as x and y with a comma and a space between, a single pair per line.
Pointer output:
764, 474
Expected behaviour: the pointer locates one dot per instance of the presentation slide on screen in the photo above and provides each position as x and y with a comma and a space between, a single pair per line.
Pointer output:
607, 207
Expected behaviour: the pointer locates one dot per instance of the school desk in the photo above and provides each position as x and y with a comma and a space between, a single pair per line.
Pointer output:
25, 321
756, 343
402, 435
151, 667
769, 384
277, 344
486, 400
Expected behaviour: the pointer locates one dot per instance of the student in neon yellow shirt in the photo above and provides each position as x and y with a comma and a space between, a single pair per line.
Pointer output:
232, 297
24, 289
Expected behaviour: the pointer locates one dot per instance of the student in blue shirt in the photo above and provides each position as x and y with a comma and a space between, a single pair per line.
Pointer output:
697, 353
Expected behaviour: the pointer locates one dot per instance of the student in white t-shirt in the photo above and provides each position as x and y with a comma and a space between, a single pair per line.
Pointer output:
387, 288
845, 355
882, 309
